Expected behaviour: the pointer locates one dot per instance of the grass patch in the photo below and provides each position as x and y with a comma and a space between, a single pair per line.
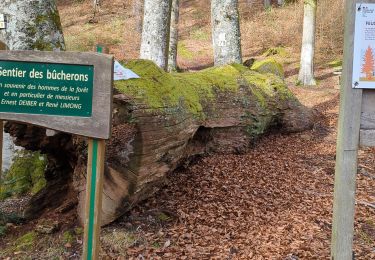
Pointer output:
26, 241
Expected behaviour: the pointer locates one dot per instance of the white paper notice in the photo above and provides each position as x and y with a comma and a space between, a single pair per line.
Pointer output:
2, 21
364, 47
122, 73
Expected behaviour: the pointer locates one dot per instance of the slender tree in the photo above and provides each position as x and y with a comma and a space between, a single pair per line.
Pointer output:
173, 42
96, 3
226, 32
155, 33
32, 25
306, 72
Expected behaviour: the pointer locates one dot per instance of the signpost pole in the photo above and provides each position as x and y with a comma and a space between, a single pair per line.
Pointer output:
347, 148
94, 190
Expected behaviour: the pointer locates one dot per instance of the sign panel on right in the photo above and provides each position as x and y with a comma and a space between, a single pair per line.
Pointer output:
364, 47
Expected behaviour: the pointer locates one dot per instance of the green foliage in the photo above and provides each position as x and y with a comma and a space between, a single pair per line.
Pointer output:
25, 175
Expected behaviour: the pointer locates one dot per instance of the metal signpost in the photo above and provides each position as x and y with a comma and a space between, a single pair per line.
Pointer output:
68, 92
356, 119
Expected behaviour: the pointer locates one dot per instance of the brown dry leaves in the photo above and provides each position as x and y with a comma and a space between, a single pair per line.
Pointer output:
274, 202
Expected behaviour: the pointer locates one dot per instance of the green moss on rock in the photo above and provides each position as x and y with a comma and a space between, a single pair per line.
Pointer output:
158, 89
269, 65
26, 174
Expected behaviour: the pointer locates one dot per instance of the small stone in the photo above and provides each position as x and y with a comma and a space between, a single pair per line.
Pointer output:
306, 137
47, 228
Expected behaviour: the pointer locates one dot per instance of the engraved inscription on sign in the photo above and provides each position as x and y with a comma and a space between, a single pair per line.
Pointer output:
64, 91
46, 88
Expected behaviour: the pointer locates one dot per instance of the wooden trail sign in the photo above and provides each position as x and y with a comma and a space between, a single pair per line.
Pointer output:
64, 91
69, 92
356, 119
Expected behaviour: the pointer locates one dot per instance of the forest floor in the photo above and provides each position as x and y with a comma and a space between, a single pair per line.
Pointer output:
274, 202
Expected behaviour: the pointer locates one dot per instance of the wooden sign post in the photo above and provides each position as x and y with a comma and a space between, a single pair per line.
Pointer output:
94, 191
69, 92
356, 125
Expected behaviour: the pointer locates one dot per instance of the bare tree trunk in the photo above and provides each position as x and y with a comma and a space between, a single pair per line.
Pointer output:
155, 34
306, 73
280, 2
173, 42
32, 26
267, 4
96, 3
35, 25
138, 14
226, 32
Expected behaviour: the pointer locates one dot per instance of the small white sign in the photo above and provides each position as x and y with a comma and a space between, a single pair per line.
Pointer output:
122, 73
364, 47
2, 21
